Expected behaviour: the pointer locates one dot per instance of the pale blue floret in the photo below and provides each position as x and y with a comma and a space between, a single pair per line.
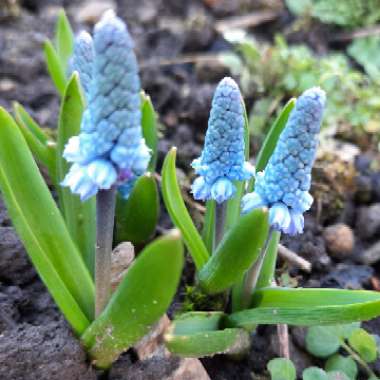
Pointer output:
284, 185
110, 149
82, 59
223, 160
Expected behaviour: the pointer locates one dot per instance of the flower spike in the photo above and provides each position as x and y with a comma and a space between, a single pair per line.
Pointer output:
110, 149
284, 185
222, 161
82, 59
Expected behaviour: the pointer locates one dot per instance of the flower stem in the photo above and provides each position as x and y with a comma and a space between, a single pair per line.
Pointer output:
105, 213
253, 274
220, 218
357, 358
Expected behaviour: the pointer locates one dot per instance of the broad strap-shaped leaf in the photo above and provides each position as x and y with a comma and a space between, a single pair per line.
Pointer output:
149, 128
307, 307
140, 300
54, 67
41, 228
80, 216
178, 212
136, 217
198, 334
238, 250
43, 149
64, 39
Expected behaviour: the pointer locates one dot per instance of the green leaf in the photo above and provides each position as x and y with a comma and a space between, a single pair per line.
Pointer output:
149, 128
197, 334
43, 150
307, 307
271, 138
346, 365
64, 40
314, 373
178, 212
136, 217
80, 216
54, 67
364, 344
235, 253
321, 341
41, 228
140, 300
343, 331
269, 265
281, 369
208, 231
22, 117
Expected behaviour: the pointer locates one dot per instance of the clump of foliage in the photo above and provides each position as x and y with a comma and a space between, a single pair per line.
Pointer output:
70, 241
272, 73
346, 349
348, 13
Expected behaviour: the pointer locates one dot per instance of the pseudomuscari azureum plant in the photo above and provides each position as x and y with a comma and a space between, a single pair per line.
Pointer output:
246, 211
104, 147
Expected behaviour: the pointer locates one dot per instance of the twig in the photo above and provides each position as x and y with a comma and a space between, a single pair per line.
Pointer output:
283, 336
358, 33
294, 259
246, 21
283, 340
190, 58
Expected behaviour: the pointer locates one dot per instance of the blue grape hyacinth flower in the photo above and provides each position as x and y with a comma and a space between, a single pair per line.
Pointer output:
284, 185
110, 150
223, 160
83, 59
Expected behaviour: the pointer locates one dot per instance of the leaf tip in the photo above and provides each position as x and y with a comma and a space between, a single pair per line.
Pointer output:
174, 234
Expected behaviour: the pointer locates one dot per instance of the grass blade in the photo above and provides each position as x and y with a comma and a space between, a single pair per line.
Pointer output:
64, 39
274, 133
54, 67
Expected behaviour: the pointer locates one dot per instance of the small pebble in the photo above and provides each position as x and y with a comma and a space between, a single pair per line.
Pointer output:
91, 11
339, 239
368, 222
371, 255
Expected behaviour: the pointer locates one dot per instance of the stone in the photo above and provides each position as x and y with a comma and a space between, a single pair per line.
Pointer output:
152, 343
371, 255
45, 352
90, 11
339, 240
122, 257
368, 222
348, 276
171, 368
